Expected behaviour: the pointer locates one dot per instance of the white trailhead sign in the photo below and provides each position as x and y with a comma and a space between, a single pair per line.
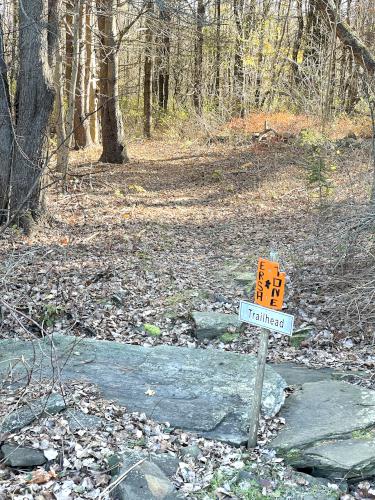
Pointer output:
264, 317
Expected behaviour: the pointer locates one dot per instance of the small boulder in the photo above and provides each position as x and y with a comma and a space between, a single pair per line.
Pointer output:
148, 480
192, 451
21, 456
210, 325
46, 405
78, 420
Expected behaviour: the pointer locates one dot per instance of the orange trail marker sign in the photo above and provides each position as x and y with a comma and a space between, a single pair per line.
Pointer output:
270, 285
269, 294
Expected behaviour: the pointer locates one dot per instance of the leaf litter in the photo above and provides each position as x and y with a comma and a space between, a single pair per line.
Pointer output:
129, 252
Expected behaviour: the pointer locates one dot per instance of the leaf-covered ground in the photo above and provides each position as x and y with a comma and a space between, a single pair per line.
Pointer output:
148, 242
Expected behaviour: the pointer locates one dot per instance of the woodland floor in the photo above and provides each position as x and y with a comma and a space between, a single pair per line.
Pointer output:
150, 241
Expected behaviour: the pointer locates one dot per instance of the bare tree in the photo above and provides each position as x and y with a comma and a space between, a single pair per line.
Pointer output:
114, 150
23, 137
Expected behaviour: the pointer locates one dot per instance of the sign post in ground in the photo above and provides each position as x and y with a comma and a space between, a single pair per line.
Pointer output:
269, 296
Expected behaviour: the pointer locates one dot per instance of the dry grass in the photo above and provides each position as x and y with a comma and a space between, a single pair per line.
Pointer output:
289, 123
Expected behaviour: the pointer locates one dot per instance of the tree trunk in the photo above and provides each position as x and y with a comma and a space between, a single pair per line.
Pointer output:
91, 101
35, 97
147, 82
73, 71
163, 81
114, 150
59, 102
238, 73
360, 51
217, 52
296, 75
198, 70
6, 135
81, 124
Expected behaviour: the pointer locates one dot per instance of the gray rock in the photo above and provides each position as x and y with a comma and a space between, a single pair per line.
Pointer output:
166, 462
47, 405
295, 374
150, 479
203, 391
210, 325
318, 481
78, 420
192, 451
327, 430
20, 456
145, 482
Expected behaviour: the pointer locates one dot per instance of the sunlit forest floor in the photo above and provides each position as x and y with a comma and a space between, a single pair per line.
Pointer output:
165, 234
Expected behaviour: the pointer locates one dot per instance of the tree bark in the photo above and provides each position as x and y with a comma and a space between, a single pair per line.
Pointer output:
198, 63
35, 98
238, 73
296, 76
6, 134
163, 81
74, 66
361, 52
59, 102
217, 52
82, 135
91, 101
114, 150
147, 80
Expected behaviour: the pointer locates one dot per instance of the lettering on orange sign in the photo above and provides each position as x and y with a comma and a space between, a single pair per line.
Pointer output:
270, 285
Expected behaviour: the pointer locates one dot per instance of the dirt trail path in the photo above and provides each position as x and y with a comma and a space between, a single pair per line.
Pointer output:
150, 241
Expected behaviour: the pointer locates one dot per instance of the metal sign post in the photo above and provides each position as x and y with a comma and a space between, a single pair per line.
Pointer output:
269, 295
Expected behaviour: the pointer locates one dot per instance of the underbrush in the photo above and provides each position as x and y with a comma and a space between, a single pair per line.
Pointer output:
289, 123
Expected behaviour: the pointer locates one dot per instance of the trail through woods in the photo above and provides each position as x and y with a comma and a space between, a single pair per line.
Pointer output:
132, 250
151, 241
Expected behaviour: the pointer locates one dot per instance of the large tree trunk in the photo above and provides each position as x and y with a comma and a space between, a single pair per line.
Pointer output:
35, 97
198, 69
91, 103
6, 135
114, 150
147, 81
165, 49
360, 51
73, 72
60, 115
217, 52
82, 135
238, 70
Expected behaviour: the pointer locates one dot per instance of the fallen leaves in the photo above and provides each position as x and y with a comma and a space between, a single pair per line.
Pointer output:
41, 476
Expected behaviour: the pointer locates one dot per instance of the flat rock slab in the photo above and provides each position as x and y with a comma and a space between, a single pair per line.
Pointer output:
204, 391
329, 430
295, 374
209, 325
